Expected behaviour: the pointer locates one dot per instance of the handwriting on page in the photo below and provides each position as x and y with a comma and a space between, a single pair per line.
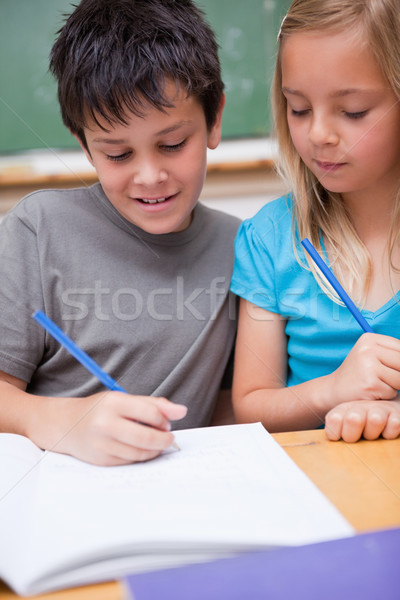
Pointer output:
211, 466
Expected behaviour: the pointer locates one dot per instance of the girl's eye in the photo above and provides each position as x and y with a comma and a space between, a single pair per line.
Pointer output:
119, 157
356, 115
299, 113
173, 147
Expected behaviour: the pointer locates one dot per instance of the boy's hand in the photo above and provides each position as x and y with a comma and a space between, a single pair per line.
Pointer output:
369, 419
371, 371
113, 428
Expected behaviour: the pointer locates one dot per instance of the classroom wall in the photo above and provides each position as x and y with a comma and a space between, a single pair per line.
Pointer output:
33, 139
246, 31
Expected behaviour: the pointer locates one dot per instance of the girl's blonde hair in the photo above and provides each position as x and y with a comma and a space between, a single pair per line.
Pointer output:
376, 23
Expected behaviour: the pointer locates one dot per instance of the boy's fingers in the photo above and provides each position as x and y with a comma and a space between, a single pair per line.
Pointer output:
122, 454
171, 411
140, 435
143, 409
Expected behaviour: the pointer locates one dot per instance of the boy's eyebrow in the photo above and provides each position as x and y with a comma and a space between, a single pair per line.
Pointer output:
174, 127
109, 141
169, 129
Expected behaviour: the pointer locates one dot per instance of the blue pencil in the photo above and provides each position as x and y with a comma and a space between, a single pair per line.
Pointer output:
336, 285
77, 352
80, 354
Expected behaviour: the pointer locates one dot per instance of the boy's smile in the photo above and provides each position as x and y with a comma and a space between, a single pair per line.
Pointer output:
153, 168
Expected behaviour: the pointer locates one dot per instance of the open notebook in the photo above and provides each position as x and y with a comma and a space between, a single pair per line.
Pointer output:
229, 489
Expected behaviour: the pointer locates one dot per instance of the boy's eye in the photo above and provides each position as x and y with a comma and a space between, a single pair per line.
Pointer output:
173, 147
119, 157
356, 115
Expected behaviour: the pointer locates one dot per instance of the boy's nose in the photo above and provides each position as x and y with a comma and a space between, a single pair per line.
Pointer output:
149, 173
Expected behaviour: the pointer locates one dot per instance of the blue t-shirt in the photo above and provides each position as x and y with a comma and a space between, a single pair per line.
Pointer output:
320, 332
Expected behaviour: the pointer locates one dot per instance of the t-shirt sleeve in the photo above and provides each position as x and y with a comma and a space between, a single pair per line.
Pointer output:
21, 340
253, 272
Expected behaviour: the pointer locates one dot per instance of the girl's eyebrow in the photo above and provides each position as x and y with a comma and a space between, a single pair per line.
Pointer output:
286, 90
336, 94
349, 91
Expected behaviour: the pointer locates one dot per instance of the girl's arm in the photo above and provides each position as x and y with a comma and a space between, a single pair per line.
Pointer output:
259, 382
370, 372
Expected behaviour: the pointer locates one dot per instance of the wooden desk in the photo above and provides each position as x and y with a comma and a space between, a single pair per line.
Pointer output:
362, 480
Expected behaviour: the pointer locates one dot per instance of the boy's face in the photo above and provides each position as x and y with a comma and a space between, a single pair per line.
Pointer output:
152, 170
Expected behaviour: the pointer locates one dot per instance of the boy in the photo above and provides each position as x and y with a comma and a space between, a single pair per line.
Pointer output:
131, 268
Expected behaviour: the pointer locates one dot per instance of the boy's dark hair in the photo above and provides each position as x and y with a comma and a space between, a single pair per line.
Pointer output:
113, 56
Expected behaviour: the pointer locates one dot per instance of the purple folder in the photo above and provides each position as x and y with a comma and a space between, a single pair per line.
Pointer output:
365, 566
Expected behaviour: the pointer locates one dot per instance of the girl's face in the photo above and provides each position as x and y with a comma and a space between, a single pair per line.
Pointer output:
343, 117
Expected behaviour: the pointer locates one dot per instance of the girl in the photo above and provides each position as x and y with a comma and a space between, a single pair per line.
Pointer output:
301, 359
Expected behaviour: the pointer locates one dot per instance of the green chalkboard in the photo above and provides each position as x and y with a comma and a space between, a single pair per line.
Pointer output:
246, 31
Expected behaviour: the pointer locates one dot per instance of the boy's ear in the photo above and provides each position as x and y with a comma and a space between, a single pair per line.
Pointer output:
82, 145
214, 136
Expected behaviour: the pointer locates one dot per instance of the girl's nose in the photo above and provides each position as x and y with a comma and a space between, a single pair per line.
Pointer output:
322, 131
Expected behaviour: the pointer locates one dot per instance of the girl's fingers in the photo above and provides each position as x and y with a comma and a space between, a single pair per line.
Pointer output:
333, 425
376, 421
346, 421
369, 419
390, 367
353, 424
386, 341
392, 428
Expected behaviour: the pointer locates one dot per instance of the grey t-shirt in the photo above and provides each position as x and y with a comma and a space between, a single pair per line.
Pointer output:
154, 311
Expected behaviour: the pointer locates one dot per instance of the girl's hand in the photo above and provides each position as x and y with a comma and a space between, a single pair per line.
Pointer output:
113, 428
369, 419
371, 371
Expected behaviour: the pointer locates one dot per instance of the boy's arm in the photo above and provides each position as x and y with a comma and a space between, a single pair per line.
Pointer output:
108, 428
